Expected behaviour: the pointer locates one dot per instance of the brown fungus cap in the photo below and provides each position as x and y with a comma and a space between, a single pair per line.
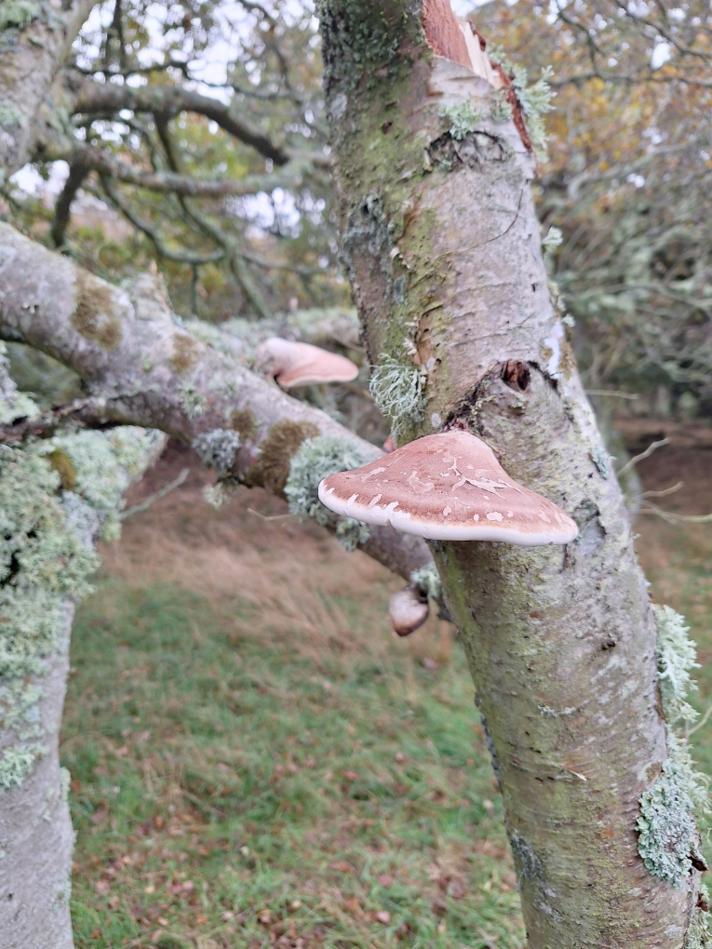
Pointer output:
447, 486
301, 364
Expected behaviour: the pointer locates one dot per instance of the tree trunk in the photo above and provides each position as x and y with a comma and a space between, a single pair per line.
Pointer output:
444, 255
47, 539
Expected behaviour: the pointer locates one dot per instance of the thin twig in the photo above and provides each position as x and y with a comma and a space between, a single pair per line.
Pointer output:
702, 722
664, 492
156, 496
653, 446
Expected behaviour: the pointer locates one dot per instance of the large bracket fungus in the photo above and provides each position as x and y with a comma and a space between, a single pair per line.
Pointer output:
447, 486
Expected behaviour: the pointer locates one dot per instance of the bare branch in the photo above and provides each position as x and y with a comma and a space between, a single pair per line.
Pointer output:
169, 101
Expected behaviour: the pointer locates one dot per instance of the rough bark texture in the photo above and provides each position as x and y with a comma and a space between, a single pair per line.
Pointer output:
34, 40
36, 834
153, 371
437, 220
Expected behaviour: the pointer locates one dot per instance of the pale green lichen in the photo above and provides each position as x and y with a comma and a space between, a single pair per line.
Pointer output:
668, 840
534, 98
16, 763
553, 238
677, 657
500, 109
464, 119
699, 935
192, 401
314, 460
47, 557
17, 14
217, 448
398, 390
104, 464
427, 579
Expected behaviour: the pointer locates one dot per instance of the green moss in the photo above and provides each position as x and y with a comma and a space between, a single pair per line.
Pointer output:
184, 355
271, 470
361, 38
317, 458
17, 14
94, 315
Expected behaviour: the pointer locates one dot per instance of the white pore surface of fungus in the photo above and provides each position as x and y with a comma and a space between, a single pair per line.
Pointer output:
447, 486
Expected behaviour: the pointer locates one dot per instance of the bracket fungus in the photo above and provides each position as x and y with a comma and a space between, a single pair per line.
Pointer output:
407, 609
301, 364
447, 486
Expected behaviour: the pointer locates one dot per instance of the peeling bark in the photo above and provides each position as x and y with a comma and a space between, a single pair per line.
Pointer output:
437, 220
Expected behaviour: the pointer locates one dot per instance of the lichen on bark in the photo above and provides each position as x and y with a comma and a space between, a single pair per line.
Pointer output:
316, 459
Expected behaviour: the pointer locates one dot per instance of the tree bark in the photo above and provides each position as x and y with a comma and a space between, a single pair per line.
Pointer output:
146, 368
444, 256
35, 38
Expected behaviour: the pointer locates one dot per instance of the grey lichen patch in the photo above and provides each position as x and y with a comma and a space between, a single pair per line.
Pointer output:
528, 863
184, 355
17, 14
94, 313
272, 468
217, 448
192, 401
667, 833
317, 458
9, 116
398, 389
427, 580
677, 657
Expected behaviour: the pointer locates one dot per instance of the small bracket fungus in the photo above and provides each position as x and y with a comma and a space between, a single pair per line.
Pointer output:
447, 486
301, 364
408, 610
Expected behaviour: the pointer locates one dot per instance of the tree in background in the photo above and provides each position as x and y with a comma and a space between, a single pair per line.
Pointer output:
607, 756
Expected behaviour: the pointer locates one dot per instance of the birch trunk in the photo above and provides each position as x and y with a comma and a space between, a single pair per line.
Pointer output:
444, 255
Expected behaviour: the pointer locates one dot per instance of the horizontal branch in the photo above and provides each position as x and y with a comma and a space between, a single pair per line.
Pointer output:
151, 370
96, 97
106, 164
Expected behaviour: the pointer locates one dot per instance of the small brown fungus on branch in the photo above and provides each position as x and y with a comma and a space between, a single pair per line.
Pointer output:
301, 364
447, 486
407, 609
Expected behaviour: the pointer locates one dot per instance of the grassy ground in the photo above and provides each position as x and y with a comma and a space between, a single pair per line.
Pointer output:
256, 761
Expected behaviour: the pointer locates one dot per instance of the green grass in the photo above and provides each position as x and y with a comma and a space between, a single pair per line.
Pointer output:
230, 788
258, 770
